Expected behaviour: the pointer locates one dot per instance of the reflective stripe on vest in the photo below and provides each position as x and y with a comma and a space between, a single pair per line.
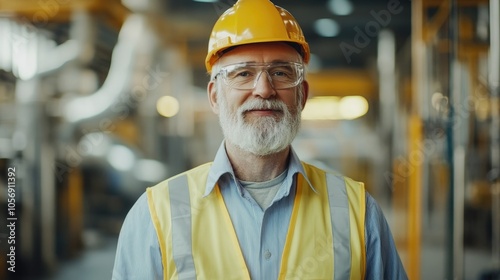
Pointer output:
342, 231
339, 216
180, 211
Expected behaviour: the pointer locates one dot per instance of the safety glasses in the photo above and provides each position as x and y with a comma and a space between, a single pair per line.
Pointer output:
282, 75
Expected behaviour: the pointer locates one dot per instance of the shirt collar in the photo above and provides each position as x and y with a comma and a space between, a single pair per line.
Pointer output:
221, 165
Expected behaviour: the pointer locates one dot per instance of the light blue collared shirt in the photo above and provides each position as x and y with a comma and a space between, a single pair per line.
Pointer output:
261, 233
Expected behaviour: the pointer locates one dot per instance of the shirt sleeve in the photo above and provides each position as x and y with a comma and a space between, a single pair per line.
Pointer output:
382, 259
138, 253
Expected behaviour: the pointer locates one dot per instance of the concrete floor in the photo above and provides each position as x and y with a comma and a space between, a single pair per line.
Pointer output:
433, 264
94, 263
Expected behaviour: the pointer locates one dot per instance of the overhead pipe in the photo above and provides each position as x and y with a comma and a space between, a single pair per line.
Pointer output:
136, 46
141, 69
20, 55
118, 79
131, 39
135, 40
98, 108
79, 48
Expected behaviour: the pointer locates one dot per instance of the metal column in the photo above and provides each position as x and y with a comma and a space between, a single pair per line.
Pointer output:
494, 85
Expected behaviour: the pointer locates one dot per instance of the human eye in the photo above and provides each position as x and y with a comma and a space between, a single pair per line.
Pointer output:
284, 71
243, 74
240, 73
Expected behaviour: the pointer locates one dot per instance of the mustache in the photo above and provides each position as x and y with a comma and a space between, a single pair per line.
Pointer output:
262, 104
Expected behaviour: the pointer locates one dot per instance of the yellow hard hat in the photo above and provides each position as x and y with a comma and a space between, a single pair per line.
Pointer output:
254, 21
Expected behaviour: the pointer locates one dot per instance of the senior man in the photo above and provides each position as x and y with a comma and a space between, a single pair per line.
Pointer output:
257, 211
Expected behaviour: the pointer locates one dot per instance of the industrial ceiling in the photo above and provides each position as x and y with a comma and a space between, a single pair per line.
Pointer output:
367, 17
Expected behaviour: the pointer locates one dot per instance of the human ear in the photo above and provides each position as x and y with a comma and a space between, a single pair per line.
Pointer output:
212, 96
305, 92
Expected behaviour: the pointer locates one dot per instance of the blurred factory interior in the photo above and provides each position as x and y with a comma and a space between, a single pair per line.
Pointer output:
101, 99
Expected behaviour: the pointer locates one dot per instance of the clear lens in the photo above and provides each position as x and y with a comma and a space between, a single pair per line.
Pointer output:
245, 75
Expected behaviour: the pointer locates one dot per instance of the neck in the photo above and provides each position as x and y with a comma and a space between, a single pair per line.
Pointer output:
253, 168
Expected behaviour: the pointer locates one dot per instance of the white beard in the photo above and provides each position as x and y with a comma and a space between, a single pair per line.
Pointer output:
264, 135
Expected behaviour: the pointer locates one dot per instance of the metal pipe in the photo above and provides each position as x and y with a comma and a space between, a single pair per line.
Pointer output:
79, 48
459, 154
494, 66
105, 102
386, 60
494, 85
456, 152
418, 55
386, 64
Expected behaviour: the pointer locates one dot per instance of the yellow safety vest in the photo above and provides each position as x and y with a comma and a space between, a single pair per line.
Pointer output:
325, 239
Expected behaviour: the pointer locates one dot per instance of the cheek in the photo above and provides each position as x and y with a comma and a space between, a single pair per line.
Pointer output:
226, 104
234, 100
292, 100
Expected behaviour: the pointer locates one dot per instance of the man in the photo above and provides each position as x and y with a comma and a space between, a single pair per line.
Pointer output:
257, 211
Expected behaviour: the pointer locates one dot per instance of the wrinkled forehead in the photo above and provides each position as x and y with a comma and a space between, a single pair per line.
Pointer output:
261, 52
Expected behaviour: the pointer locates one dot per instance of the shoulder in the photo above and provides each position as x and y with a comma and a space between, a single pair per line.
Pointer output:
333, 177
138, 215
377, 227
139, 209
382, 258
137, 223
137, 252
374, 214
196, 172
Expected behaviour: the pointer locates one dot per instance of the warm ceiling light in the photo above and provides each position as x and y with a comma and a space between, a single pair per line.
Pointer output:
321, 108
352, 107
326, 27
167, 106
340, 7
335, 108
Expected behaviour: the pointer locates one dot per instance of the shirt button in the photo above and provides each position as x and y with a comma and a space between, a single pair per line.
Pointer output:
267, 255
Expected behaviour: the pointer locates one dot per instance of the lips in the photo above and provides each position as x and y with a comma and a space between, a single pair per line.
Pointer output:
262, 107
263, 113
263, 110
269, 107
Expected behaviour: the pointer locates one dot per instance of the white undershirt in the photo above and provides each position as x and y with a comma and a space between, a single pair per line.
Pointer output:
264, 192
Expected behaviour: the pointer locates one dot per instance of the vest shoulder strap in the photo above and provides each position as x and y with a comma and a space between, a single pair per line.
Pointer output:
170, 208
346, 199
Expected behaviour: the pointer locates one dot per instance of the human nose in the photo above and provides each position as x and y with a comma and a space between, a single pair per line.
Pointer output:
264, 86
